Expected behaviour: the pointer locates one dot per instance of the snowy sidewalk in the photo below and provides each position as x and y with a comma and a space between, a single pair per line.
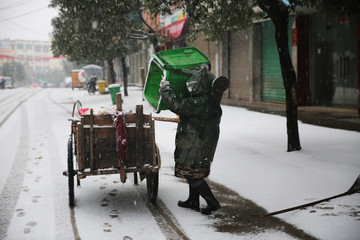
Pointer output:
333, 117
252, 155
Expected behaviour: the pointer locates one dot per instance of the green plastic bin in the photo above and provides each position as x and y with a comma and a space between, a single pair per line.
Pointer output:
177, 66
114, 89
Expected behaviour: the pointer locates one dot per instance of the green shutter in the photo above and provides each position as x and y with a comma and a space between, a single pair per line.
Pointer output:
272, 87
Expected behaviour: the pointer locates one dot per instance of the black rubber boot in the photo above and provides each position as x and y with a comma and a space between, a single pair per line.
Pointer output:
192, 202
201, 186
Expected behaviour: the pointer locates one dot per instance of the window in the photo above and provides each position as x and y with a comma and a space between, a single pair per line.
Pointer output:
28, 46
37, 49
45, 49
20, 46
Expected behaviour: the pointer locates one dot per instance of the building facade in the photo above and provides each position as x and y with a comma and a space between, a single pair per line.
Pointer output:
35, 56
325, 55
324, 52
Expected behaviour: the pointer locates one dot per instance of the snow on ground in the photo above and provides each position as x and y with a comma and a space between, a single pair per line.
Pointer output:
258, 167
251, 159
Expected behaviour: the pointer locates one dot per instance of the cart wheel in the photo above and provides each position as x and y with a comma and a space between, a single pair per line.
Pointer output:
152, 181
136, 182
71, 173
152, 184
77, 106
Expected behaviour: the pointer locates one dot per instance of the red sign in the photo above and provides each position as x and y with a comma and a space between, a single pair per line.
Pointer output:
173, 30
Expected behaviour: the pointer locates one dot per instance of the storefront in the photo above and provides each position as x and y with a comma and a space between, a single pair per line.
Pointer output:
334, 61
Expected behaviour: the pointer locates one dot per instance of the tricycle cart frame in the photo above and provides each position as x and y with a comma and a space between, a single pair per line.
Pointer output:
97, 146
75, 81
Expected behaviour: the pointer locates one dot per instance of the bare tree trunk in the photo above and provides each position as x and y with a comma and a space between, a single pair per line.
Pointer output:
111, 71
279, 14
123, 67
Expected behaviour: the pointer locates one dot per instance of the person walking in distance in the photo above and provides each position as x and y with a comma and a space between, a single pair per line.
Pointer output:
196, 137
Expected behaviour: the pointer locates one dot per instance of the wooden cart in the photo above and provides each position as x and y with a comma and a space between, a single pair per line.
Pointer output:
93, 144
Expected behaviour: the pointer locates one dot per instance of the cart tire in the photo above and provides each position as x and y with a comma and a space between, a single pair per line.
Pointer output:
152, 184
136, 182
152, 180
71, 173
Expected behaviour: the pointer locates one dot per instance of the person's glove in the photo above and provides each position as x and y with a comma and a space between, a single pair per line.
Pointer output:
164, 83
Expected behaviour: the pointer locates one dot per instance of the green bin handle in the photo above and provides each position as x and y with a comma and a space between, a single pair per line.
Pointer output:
188, 51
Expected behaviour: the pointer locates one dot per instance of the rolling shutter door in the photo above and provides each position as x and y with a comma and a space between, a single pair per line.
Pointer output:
272, 87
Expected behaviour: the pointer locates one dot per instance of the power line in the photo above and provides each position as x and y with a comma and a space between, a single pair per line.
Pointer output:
27, 29
16, 4
28, 13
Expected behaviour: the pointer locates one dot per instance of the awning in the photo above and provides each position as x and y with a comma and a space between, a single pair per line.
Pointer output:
173, 30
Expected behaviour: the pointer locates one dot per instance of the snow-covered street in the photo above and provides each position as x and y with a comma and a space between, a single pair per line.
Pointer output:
251, 161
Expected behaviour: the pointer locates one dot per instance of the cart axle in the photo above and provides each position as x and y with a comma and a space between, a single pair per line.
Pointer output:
66, 173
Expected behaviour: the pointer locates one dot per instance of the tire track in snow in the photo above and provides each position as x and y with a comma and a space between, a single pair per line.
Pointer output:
72, 210
16, 107
12, 188
167, 222
10, 97
169, 218
59, 105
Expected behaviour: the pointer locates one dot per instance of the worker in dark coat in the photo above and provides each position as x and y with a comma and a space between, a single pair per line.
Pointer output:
196, 137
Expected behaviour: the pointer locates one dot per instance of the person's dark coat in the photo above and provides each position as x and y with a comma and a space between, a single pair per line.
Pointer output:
198, 131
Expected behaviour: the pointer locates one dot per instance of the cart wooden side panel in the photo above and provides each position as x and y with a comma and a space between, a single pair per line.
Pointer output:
101, 120
96, 142
103, 144
141, 138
